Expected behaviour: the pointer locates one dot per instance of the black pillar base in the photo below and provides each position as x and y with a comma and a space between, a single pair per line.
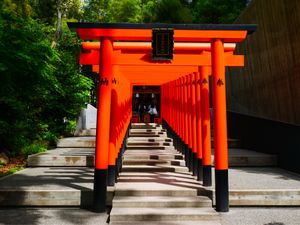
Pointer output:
186, 155
117, 173
191, 161
222, 192
195, 164
119, 163
100, 189
200, 170
207, 181
181, 146
111, 175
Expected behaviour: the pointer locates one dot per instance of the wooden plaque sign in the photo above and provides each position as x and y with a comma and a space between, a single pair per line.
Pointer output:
162, 44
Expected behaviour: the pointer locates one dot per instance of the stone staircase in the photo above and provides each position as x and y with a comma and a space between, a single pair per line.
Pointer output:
155, 187
64, 177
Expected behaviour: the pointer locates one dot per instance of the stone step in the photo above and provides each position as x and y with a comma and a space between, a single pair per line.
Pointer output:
268, 197
138, 152
139, 143
50, 187
166, 214
158, 156
161, 202
232, 143
262, 186
156, 168
85, 157
89, 142
151, 151
60, 161
153, 162
149, 148
63, 157
244, 157
76, 160
76, 142
146, 139
50, 197
147, 130
73, 187
144, 125
167, 223
86, 133
148, 135
128, 186
79, 157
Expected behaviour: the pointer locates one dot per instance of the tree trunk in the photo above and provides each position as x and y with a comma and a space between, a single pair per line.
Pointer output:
58, 31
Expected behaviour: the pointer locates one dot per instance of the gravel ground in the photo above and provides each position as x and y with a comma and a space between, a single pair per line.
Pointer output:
69, 216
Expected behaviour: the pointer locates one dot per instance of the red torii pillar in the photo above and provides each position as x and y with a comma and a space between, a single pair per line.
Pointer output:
186, 121
103, 125
205, 125
220, 126
193, 124
198, 107
113, 135
183, 131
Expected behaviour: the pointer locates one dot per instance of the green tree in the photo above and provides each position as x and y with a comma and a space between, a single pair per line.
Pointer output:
172, 11
53, 12
72, 89
26, 66
148, 10
20, 8
96, 11
217, 11
42, 91
125, 11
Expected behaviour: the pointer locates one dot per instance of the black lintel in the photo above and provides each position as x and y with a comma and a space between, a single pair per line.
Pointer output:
249, 27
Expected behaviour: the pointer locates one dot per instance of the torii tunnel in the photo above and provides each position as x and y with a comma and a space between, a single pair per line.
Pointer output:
122, 55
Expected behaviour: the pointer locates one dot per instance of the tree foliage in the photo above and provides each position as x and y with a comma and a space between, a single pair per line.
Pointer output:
217, 11
163, 11
125, 11
172, 11
41, 91
96, 11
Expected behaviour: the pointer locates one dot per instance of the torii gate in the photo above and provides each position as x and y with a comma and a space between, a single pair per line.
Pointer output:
125, 56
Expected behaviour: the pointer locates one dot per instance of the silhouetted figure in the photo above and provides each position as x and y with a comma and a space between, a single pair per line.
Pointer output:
141, 111
153, 112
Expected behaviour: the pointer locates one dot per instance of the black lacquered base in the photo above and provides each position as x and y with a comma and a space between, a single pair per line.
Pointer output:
195, 164
111, 175
191, 160
222, 192
207, 181
100, 188
199, 170
186, 155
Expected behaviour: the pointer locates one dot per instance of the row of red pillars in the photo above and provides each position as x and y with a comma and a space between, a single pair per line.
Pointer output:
186, 111
185, 108
186, 123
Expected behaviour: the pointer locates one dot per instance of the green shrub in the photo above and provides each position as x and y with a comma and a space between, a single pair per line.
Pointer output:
34, 148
